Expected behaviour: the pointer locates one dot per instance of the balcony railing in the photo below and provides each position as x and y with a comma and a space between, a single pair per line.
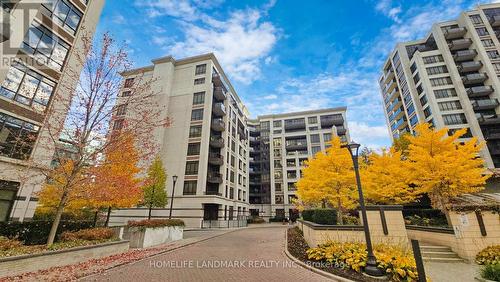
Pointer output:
295, 124
296, 144
216, 142
460, 44
217, 80
474, 78
464, 55
215, 159
495, 21
492, 133
341, 130
218, 124
488, 119
329, 121
469, 66
220, 93
488, 104
479, 91
219, 109
454, 33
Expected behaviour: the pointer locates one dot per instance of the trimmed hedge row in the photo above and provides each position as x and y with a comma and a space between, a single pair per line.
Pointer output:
37, 232
321, 216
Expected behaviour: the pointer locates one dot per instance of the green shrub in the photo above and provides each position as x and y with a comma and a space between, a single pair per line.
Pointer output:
155, 223
307, 215
37, 232
325, 216
489, 255
350, 220
91, 234
424, 221
491, 272
256, 220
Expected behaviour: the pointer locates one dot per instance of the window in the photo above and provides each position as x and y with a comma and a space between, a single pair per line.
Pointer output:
449, 106
64, 14
277, 164
277, 186
423, 100
441, 81
416, 78
454, 119
192, 168
44, 45
437, 70
420, 89
290, 162
195, 131
476, 19
427, 112
129, 82
493, 54
200, 69
413, 120
8, 192
312, 120
315, 138
193, 149
264, 125
197, 114
198, 98
27, 87
121, 109
445, 93
17, 137
291, 174
118, 124
467, 134
327, 137
482, 31
413, 67
487, 43
496, 66
277, 142
126, 93
278, 199
291, 186
433, 59
315, 149
189, 188
277, 123
199, 81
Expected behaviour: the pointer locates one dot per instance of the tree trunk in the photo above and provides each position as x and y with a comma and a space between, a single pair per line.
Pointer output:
57, 219
95, 217
107, 217
340, 220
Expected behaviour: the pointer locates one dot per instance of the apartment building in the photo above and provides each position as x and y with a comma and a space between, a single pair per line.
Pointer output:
279, 146
38, 62
450, 79
206, 145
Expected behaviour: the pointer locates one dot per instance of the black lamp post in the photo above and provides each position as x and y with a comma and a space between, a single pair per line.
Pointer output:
174, 178
371, 264
151, 202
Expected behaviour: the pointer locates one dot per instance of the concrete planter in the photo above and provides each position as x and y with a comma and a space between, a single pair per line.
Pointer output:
28, 263
147, 237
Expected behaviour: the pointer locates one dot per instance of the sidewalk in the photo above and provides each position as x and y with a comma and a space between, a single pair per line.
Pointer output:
451, 272
94, 266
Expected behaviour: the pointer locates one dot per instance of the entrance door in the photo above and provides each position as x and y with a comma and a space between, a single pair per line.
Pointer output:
210, 211
8, 192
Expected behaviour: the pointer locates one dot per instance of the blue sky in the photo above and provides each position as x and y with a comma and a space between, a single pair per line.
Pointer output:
285, 55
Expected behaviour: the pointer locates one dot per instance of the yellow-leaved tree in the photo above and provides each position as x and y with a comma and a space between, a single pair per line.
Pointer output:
444, 168
387, 179
328, 179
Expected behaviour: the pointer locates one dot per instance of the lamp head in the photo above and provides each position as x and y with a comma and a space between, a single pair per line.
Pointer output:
174, 178
353, 148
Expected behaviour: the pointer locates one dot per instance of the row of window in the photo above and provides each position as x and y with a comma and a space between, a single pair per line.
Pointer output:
433, 59
17, 137
437, 70
449, 105
454, 119
27, 87
64, 14
441, 81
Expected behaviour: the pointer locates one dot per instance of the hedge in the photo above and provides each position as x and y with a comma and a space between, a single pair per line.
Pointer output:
155, 223
307, 215
277, 219
325, 216
37, 232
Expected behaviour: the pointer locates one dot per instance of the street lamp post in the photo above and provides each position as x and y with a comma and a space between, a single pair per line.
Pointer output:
174, 178
371, 264
151, 202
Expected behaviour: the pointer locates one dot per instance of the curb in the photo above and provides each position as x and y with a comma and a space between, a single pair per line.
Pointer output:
313, 269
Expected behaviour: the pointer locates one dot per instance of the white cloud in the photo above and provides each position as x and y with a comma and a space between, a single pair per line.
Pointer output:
175, 8
368, 135
119, 19
270, 97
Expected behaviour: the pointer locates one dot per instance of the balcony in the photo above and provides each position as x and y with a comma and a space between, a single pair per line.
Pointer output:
220, 93
390, 87
488, 104
464, 55
295, 124
479, 91
392, 95
494, 149
488, 119
469, 66
341, 130
255, 171
214, 177
329, 121
492, 134
495, 21
216, 142
460, 44
474, 78
300, 144
388, 76
218, 124
219, 109
254, 140
215, 159
454, 33
217, 80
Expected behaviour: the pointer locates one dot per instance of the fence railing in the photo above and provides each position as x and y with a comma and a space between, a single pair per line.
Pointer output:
224, 223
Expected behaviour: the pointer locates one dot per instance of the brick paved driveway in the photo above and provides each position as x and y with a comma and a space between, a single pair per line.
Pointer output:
252, 254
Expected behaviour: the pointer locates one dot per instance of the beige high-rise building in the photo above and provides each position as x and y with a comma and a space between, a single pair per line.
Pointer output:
450, 79
38, 62
221, 157
279, 145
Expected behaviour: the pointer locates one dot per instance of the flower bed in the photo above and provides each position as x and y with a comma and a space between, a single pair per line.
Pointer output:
154, 223
152, 232
490, 259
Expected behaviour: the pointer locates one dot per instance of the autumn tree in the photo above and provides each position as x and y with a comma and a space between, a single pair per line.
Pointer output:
155, 194
388, 179
328, 179
402, 143
86, 115
443, 167
115, 177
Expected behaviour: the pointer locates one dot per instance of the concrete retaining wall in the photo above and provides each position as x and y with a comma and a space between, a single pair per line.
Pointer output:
147, 237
